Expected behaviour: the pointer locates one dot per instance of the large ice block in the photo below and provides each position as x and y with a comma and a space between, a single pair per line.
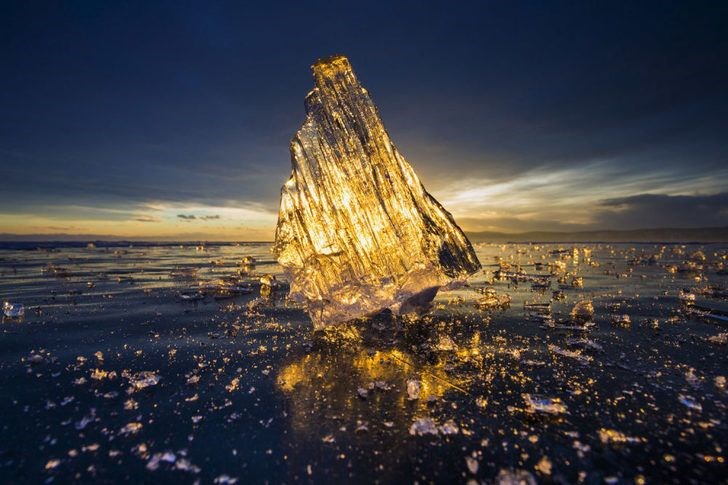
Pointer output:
357, 232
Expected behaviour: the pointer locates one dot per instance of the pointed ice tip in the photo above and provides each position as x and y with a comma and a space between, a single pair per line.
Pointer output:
329, 67
336, 59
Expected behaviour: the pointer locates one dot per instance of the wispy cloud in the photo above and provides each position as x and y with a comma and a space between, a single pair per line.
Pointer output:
187, 217
597, 195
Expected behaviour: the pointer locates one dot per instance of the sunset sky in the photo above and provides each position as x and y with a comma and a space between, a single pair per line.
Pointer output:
173, 119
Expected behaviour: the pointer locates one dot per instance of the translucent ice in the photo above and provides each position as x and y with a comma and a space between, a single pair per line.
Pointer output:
357, 232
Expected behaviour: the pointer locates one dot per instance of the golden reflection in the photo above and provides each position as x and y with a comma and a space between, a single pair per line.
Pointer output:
372, 380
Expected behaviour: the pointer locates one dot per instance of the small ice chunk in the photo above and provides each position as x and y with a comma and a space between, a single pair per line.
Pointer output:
13, 310
691, 378
584, 343
544, 466
130, 428
720, 383
690, 402
449, 427
472, 464
158, 458
493, 301
720, 339
621, 320
515, 477
142, 380
583, 359
414, 388
542, 404
612, 436
423, 426
582, 312
225, 480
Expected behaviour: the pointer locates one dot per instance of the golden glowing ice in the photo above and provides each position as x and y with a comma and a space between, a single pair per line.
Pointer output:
357, 232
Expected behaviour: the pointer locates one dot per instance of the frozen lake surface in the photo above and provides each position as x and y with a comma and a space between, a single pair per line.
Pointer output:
111, 375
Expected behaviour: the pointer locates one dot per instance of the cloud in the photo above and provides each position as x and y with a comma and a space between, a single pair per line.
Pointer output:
660, 210
192, 217
146, 219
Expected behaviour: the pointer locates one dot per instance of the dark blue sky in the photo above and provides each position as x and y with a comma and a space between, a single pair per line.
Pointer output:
119, 116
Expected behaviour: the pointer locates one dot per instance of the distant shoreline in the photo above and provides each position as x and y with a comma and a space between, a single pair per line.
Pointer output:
700, 235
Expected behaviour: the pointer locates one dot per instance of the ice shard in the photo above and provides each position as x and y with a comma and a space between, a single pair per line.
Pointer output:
357, 232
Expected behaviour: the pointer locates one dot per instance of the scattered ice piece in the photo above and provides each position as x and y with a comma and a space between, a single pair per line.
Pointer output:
515, 477
84, 421
584, 343
268, 284
449, 427
382, 385
445, 344
13, 310
414, 388
423, 426
582, 312
157, 458
183, 464
686, 297
493, 301
234, 385
720, 383
142, 380
690, 402
192, 295
612, 436
692, 379
541, 404
621, 320
472, 464
52, 463
720, 339
583, 359
36, 359
100, 374
544, 466
130, 428
225, 480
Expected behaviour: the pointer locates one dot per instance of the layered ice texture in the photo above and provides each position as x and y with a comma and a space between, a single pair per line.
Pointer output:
357, 231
